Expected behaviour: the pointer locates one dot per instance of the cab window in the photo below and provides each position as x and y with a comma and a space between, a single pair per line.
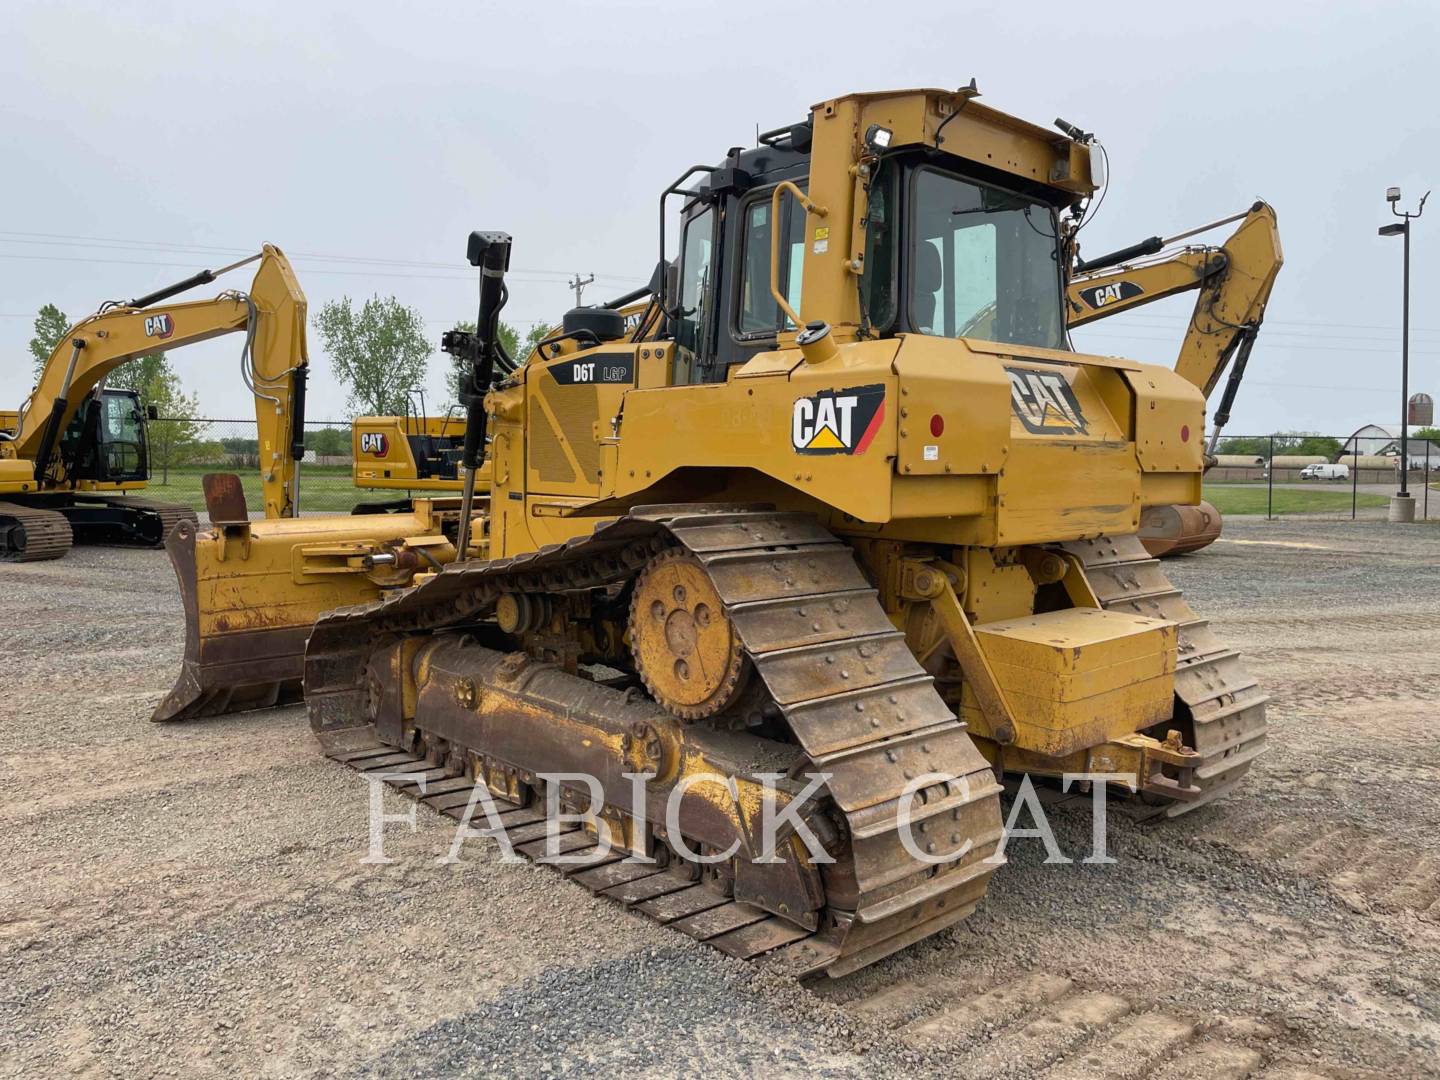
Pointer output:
985, 263
757, 313
696, 244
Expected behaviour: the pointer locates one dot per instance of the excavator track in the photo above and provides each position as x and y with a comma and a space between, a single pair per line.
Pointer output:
31, 534
154, 519
855, 703
1222, 703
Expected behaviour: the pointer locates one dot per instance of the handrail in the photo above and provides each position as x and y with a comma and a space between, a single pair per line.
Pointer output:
810, 207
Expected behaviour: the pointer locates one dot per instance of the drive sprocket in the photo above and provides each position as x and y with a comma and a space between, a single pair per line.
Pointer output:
686, 648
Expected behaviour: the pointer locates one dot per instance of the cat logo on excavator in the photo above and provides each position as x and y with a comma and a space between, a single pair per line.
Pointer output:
374, 442
161, 326
1099, 296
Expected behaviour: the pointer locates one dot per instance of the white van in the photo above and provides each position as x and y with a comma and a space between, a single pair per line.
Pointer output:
1325, 472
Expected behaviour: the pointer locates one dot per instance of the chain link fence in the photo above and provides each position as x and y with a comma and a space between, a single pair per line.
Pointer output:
1320, 476
184, 449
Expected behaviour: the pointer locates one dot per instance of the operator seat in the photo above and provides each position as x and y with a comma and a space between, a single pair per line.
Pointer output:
928, 280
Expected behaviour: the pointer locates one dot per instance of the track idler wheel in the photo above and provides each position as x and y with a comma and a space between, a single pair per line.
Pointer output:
686, 649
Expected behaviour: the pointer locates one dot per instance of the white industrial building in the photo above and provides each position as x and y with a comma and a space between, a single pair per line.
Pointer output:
1383, 440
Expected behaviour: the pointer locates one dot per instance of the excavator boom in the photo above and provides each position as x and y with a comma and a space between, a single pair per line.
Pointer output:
272, 314
1234, 281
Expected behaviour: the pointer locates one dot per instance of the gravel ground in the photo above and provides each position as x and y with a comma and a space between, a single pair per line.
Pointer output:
189, 900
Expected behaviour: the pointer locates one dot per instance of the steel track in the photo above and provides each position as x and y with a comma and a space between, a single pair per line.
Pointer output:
42, 534
852, 694
1225, 704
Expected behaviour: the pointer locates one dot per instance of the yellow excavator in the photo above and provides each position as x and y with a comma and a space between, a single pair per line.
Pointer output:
1234, 280
410, 452
839, 530
75, 449
72, 452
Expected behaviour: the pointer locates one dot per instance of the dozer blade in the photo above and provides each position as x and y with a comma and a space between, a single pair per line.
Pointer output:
253, 590
229, 670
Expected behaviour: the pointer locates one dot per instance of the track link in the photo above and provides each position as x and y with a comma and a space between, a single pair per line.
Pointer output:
853, 696
32, 534
152, 534
1224, 703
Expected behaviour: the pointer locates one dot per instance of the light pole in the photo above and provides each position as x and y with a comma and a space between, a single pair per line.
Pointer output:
1402, 507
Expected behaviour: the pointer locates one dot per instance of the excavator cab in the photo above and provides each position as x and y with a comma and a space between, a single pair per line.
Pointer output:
106, 441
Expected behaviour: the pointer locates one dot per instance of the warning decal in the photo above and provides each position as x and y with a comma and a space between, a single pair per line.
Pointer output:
837, 421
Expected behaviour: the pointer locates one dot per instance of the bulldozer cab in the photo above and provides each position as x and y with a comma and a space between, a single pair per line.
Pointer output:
952, 249
106, 441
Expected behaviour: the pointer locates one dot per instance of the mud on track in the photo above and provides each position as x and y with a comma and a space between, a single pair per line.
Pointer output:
189, 900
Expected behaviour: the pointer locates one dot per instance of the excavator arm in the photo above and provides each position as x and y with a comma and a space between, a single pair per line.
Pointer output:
274, 364
1234, 280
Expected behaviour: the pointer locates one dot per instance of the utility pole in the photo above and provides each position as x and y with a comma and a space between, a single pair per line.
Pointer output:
578, 284
1402, 506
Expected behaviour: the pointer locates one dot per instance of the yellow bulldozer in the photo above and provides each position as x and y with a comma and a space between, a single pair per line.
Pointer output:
838, 531
1233, 279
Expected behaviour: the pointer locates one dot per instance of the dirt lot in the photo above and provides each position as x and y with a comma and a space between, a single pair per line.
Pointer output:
188, 900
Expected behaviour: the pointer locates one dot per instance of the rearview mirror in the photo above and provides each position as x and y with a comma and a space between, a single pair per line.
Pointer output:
152, 413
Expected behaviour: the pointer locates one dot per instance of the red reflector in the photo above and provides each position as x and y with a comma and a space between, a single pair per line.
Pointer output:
937, 425
1184, 432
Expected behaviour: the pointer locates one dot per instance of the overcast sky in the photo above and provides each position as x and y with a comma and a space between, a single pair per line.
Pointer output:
145, 141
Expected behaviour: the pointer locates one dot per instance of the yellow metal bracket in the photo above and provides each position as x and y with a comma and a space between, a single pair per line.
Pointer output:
236, 534
1160, 768
1077, 585
930, 581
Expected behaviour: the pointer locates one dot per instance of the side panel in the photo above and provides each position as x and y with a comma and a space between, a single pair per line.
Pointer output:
1169, 422
1071, 472
827, 431
382, 453
947, 426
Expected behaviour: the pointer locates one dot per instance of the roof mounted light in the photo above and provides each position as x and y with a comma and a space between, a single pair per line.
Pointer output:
878, 138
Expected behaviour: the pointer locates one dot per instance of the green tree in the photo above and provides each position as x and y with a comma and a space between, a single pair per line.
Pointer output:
1426, 434
1322, 445
378, 351
50, 326
516, 346
1287, 442
147, 376
1257, 446
328, 442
